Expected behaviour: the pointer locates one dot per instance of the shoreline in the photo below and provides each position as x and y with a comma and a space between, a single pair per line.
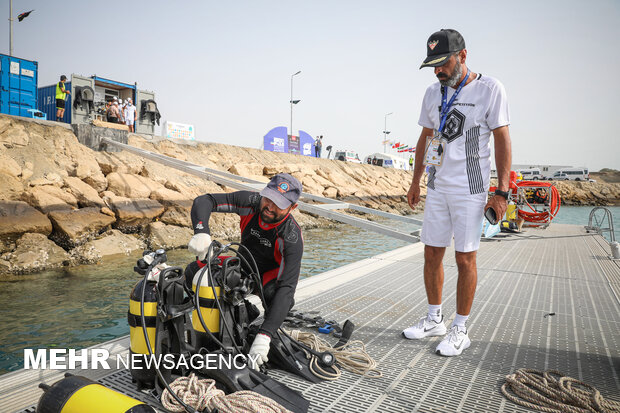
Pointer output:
63, 204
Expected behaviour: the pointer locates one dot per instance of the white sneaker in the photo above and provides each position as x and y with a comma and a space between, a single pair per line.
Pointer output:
426, 327
454, 343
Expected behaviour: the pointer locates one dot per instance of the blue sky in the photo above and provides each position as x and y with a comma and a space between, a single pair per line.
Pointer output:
225, 67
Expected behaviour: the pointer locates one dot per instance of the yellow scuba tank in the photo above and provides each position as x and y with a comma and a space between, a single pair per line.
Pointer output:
145, 377
511, 212
208, 309
78, 394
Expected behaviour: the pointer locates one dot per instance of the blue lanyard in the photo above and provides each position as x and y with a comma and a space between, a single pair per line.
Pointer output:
445, 107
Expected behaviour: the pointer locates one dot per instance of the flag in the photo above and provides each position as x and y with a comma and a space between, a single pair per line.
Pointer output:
24, 15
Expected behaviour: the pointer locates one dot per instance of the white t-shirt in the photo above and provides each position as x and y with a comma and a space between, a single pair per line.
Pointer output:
480, 107
129, 113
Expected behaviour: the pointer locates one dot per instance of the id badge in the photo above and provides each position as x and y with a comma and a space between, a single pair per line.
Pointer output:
435, 149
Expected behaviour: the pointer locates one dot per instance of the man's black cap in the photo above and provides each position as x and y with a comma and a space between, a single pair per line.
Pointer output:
63, 77
283, 189
441, 45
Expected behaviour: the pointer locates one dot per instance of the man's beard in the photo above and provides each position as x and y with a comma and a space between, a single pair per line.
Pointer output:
268, 219
456, 76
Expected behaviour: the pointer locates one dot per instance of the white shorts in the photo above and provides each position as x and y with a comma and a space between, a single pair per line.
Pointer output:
453, 215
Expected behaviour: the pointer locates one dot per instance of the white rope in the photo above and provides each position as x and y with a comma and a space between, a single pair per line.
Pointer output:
552, 392
352, 356
200, 394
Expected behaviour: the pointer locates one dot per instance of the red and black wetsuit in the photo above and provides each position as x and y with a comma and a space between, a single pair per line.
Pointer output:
277, 248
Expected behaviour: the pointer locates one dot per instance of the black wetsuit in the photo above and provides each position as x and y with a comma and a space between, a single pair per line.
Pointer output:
277, 248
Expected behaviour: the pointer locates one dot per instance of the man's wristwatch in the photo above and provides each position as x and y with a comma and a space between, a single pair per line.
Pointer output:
502, 193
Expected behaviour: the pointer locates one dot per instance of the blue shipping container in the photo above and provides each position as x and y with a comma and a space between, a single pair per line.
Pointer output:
18, 85
47, 102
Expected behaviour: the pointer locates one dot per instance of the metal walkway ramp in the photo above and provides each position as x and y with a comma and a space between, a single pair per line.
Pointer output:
325, 209
521, 280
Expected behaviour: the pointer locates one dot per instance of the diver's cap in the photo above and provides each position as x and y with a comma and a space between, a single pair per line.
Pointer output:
283, 190
441, 45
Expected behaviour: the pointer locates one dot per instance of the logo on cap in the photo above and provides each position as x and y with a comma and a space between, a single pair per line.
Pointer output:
283, 187
432, 44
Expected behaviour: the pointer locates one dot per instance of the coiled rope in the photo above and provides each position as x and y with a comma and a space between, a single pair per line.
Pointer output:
552, 392
351, 356
201, 394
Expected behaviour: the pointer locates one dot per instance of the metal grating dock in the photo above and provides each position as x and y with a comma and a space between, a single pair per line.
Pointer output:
521, 279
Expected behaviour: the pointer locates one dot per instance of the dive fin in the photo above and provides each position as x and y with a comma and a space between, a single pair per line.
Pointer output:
233, 380
347, 330
283, 355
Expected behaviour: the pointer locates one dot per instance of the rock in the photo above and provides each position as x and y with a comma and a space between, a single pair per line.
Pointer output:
26, 174
167, 196
34, 252
96, 180
14, 135
89, 171
48, 179
246, 169
290, 168
107, 211
75, 227
330, 192
9, 167
176, 215
170, 149
6, 245
131, 186
17, 218
110, 243
11, 188
85, 194
160, 235
270, 170
311, 186
119, 162
132, 214
49, 198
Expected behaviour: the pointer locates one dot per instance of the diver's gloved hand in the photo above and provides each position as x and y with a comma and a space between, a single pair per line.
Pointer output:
258, 351
199, 245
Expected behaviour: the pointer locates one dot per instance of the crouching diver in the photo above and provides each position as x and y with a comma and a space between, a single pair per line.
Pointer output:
271, 235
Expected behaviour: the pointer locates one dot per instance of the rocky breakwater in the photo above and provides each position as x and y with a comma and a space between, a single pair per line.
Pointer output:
588, 193
62, 203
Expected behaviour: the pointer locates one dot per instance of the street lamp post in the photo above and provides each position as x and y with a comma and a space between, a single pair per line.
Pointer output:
293, 102
385, 131
11, 28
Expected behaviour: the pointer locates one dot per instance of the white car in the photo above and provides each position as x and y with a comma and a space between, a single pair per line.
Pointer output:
559, 176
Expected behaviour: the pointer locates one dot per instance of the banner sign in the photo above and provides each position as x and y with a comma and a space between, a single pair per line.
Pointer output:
174, 130
278, 140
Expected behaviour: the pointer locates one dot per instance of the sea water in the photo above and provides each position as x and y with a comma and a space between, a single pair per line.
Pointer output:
86, 305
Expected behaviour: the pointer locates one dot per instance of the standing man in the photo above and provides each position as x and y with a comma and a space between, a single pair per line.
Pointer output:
61, 96
113, 112
411, 162
130, 114
459, 114
273, 237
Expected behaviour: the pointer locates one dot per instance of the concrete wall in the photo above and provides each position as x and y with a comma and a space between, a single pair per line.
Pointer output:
91, 135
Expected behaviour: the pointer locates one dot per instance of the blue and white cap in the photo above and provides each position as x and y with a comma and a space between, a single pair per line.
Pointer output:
283, 190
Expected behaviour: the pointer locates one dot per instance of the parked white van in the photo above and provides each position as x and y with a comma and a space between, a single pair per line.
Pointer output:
575, 174
348, 156
532, 174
